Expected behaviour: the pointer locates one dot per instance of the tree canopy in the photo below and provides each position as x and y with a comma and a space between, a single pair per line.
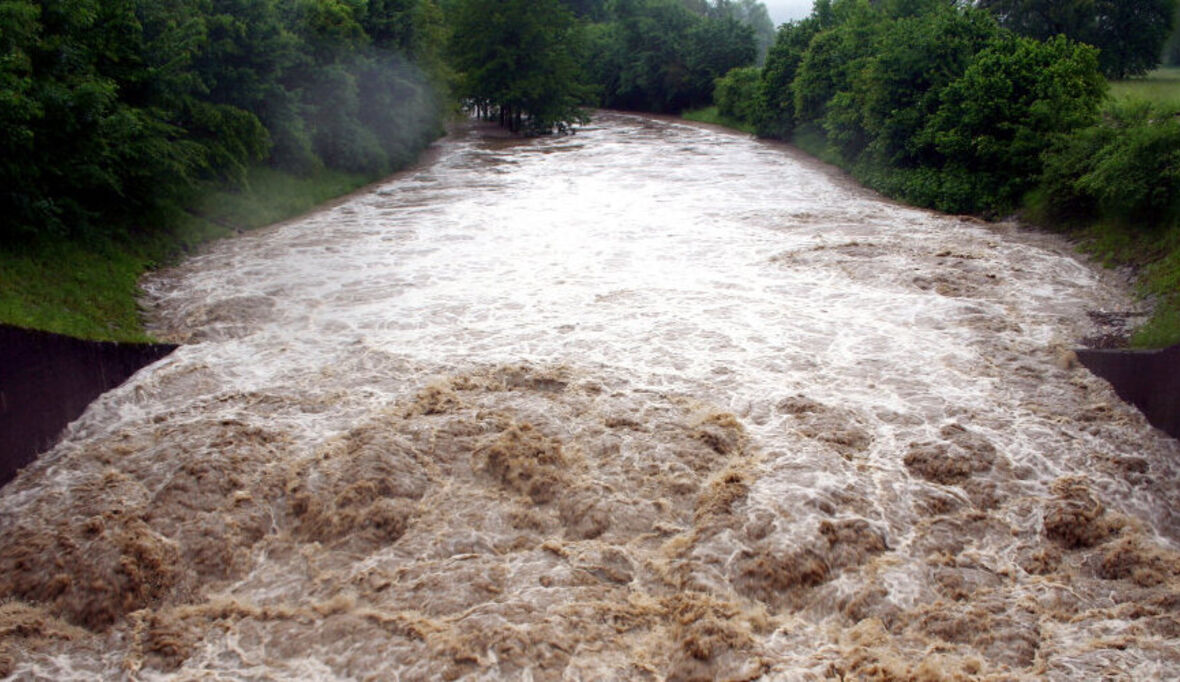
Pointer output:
927, 100
112, 111
1130, 33
664, 55
521, 59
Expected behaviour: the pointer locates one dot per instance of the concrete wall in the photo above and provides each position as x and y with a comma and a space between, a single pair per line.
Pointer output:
1150, 380
47, 380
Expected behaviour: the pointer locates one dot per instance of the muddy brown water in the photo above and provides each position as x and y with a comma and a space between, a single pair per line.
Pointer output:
654, 401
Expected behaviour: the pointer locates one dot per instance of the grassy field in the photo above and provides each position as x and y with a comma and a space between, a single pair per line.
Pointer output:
1161, 86
90, 290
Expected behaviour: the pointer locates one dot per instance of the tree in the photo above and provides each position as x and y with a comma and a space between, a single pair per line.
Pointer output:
520, 58
776, 91
754, 14
715, 46
834, 57
913, 62
736, 94
1129, 33
651, 55
1016, 99
1172, 47
120, 113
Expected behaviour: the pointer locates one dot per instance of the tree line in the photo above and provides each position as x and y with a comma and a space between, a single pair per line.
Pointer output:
940, 104
115, 112
535, 64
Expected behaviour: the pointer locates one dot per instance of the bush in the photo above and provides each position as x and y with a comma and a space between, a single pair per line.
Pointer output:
1012, 103
1126, 167
736, 94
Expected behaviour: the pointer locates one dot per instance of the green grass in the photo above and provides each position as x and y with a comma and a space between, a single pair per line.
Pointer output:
810, 138
1161, 86
1155, 256
71, 289
711, 115
274, 196
89, 290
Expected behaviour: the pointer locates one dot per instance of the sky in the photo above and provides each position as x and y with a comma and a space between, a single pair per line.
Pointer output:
782, 11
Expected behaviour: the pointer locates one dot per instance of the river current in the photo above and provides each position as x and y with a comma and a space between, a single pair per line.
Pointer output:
653, 401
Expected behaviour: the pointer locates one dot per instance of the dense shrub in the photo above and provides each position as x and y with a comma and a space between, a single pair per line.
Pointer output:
1125, 168
736, 94
927, 100
1015, 99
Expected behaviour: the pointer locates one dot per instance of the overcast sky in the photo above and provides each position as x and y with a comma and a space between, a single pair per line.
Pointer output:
782, 11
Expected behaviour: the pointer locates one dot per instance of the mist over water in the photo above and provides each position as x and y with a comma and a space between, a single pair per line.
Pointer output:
648, 402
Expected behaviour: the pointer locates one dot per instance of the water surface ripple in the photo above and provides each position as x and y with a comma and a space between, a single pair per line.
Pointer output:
654, 401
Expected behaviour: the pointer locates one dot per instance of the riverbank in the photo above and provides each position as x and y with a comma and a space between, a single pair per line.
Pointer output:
1153, 255
89, 290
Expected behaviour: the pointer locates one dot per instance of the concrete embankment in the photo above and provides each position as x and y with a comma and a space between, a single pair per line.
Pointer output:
47, 380
1148, 379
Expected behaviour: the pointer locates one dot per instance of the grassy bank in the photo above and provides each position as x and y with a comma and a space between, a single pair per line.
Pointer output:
711, 115
1155, 257
1151, 246
89, 290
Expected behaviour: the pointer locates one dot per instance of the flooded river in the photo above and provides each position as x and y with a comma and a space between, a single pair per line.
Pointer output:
654, 401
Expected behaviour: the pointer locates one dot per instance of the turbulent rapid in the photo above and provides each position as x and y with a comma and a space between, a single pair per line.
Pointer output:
653, 401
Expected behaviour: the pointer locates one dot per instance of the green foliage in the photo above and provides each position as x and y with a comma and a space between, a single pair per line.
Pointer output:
928, 100
755, 15
1130, 33
117, 112
901, 85
736, 94
777, 93
1126, 167
521, 58
1015, 99
662, 55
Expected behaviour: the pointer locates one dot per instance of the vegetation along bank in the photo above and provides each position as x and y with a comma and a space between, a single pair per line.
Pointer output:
133, 130
990, 109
